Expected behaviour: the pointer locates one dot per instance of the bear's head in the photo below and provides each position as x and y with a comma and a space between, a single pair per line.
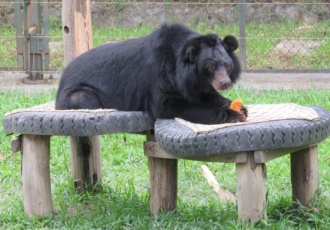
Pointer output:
215, 63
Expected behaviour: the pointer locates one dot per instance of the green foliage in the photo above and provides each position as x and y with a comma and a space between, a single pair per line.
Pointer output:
124, 201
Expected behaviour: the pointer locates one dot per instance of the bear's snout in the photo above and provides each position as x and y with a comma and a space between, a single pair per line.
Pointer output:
221, 81
225, 84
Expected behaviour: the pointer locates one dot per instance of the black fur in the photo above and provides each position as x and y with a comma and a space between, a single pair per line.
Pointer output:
172, 72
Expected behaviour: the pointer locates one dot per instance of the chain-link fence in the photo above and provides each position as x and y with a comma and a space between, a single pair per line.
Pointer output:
274, 35
286, 36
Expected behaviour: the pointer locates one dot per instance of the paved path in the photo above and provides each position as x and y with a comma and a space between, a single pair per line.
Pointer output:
10, 81
275, 81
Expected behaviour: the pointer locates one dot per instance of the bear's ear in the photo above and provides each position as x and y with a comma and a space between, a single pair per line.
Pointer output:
191, 50
190, 54
230, 43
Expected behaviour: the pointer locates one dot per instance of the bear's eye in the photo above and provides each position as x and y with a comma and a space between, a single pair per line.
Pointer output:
227, 64
211, 68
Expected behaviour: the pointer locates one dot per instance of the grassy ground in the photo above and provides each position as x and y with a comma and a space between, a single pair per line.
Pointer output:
261, 42
123, 203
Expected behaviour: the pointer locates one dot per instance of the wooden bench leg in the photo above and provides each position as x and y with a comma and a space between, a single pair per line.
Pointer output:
163, 174
85, 162
163, 184
36, 177
251, 196
304, 175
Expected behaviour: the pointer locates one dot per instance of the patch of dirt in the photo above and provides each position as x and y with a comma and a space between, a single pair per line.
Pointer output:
291, 47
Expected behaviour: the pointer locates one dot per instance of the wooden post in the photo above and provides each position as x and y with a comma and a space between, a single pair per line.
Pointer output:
163, 184
251, 195
77, 28
163, 175
36, 176
304, 175
85, 161
77, 38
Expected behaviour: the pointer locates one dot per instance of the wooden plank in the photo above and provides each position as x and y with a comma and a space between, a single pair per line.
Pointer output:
16, 144
36, 176
152, 149
304, 174
239, 157
251, 192
86, 162
263, 156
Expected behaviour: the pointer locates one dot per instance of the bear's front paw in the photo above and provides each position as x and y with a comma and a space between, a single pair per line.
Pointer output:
244, 110
238, 107
234, 116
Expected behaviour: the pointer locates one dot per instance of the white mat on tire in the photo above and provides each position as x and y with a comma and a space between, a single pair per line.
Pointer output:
260, 113
50, 107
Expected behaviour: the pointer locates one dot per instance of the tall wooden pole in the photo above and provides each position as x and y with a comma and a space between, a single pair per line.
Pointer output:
77, 28
77, 37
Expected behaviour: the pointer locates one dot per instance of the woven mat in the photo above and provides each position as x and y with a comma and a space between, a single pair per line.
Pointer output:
258, 114
50, 107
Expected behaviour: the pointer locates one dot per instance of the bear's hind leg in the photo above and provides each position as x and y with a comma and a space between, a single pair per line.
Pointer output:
80, 99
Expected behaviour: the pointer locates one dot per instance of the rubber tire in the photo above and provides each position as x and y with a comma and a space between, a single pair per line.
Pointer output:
77, 123
182, 141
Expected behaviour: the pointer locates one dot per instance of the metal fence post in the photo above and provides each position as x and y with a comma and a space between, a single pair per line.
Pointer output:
242, 32
32, 38
18, 27
45, 40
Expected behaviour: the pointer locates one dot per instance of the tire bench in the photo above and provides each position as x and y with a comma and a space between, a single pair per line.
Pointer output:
37, 124
248, 146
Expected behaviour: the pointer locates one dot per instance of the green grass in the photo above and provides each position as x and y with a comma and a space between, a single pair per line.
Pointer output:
123, 202
261, 41
7, 47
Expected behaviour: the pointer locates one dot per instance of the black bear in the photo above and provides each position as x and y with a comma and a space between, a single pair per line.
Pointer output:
172, 72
